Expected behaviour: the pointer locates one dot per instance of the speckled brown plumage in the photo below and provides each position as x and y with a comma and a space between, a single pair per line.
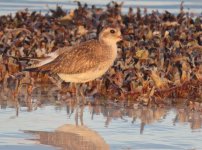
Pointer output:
85, 61
79, 59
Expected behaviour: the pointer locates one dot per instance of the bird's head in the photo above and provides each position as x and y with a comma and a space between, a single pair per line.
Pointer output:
110, 35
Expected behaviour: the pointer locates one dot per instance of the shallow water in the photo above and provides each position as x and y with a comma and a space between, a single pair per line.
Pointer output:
117, 125
11, 6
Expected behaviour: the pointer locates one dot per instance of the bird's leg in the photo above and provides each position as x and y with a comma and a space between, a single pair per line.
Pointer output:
82, 94
99, 85
79, 92
77, 86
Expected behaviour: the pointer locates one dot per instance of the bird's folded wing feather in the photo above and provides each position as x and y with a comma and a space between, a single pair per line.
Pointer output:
39, 61
78, 60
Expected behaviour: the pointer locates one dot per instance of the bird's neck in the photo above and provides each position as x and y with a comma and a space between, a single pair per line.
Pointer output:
109, 43
110, 48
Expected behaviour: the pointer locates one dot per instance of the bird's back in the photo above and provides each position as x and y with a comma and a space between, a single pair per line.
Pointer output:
78, 59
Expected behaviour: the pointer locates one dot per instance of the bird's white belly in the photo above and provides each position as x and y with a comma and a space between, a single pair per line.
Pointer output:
82, 77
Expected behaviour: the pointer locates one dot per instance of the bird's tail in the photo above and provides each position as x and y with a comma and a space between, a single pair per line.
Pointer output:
31, 69
36, 70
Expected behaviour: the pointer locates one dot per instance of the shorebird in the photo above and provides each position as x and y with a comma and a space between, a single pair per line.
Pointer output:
83, 62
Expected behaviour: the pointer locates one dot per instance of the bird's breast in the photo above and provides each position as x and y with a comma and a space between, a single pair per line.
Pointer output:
110, 53
106, 60
83, 77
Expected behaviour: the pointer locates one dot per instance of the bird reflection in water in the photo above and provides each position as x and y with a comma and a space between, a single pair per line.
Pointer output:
72, 107
72, 137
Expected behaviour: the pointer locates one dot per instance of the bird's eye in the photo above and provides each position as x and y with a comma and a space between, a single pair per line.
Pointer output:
112, 31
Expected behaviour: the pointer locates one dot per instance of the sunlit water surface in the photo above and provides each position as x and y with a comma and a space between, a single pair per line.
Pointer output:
121, 128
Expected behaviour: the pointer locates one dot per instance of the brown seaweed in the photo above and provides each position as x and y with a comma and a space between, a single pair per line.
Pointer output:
159, 58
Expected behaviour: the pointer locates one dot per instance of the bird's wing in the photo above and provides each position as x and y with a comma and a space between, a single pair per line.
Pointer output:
80, 59
40, 61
